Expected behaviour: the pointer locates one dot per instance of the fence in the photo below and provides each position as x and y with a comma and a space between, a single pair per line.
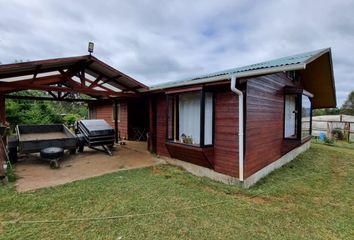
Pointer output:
327, 125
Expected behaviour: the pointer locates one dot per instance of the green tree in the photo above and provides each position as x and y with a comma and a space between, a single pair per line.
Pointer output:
40, 112
325, 111
348, 105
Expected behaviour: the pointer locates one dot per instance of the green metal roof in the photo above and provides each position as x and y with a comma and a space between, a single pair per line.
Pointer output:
302, 58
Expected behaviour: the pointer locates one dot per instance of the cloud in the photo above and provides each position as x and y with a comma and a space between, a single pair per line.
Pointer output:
156, 41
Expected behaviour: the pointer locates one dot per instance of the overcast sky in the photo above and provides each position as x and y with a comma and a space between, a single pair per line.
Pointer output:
155, 41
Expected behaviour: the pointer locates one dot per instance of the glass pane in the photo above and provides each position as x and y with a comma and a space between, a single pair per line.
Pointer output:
305, 116
189, 118
290, 116
170, 117
208, 119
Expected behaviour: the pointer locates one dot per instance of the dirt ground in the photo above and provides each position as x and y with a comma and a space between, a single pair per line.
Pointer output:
33, 173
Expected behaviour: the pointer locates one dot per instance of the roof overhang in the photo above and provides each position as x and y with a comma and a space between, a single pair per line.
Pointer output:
318, 79
82, 74
317, 73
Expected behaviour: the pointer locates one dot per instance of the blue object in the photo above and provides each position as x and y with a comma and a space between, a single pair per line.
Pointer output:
322, 136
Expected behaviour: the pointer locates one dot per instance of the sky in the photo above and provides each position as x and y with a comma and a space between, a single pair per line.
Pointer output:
156, 40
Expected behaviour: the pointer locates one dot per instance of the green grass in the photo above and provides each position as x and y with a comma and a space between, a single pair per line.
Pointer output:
310, 198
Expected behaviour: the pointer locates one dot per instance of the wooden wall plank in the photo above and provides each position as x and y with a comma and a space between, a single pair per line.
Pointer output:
265, 121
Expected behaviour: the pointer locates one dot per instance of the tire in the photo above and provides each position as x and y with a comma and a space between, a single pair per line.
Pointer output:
81, 148
52, 153
54, 164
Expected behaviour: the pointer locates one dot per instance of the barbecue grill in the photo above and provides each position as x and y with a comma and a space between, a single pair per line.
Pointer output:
94, 134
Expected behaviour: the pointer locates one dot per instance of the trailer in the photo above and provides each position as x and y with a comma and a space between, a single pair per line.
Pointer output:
44, 139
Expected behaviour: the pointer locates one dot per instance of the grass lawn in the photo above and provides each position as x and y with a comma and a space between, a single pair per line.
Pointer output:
310, 198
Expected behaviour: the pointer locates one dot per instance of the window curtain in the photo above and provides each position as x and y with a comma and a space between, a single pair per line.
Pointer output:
208, 119
189, 116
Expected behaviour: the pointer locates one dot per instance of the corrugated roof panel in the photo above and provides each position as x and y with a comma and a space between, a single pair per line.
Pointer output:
284, 61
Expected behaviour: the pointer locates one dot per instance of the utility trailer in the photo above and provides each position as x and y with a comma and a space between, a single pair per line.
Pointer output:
38, 138
34, 138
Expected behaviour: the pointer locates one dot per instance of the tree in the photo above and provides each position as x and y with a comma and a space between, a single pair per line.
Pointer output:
325, 111
40, 112
348, 105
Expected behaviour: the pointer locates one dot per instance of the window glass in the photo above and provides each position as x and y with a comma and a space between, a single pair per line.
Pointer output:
208, 119
290, 116
189, 118
171, 114
305, 116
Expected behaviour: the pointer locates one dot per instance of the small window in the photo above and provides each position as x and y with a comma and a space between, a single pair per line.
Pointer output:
114, 112
297, 115
291, 114
305, 117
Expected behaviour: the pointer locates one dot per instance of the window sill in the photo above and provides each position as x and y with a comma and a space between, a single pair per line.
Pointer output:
187, 145
202, 156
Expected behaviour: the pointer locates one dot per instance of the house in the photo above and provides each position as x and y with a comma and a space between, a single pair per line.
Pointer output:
236, 125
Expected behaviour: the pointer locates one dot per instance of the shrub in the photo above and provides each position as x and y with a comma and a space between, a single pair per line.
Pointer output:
337, 134
70, 119
10, 173
329, 141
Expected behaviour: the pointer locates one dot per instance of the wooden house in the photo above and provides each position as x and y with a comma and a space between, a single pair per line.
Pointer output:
235, 125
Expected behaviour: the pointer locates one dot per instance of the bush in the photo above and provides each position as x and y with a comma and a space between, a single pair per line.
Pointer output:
338, 134
328, 140
70, 119
10, 173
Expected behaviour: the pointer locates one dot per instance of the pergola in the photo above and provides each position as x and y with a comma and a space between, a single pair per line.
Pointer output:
62, 76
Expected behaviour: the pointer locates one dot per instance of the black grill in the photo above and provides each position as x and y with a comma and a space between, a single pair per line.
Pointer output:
96, 133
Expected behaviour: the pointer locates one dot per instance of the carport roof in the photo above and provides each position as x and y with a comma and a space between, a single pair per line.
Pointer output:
84, 74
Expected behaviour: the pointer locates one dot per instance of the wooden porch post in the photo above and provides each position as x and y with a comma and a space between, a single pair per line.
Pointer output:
2, 109
152, 124
2, 146
116, 120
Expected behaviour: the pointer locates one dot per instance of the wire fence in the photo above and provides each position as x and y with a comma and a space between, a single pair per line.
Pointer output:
326, 127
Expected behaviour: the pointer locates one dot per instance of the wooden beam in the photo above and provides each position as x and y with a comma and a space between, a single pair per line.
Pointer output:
28, 86
94, 83
48, 99
36, 72
52, 94
39, 81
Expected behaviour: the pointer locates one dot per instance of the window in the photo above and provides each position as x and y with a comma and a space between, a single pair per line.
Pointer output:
290, 116
305, 116
190, 118
297, 114
114, 112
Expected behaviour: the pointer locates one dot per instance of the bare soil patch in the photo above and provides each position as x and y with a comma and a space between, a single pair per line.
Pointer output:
34, 173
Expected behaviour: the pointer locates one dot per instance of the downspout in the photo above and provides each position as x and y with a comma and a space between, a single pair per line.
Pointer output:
240, 125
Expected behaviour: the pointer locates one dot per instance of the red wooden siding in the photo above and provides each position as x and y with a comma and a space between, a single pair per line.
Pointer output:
265, 121
161, 126
223, 157
226, 133
104, 111
199, 156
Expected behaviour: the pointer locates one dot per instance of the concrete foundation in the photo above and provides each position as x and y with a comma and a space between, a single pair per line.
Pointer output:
248, 182
202, 171
251, 180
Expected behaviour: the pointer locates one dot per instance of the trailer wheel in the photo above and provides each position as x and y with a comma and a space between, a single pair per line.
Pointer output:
54, 164
52, 153
81, 148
